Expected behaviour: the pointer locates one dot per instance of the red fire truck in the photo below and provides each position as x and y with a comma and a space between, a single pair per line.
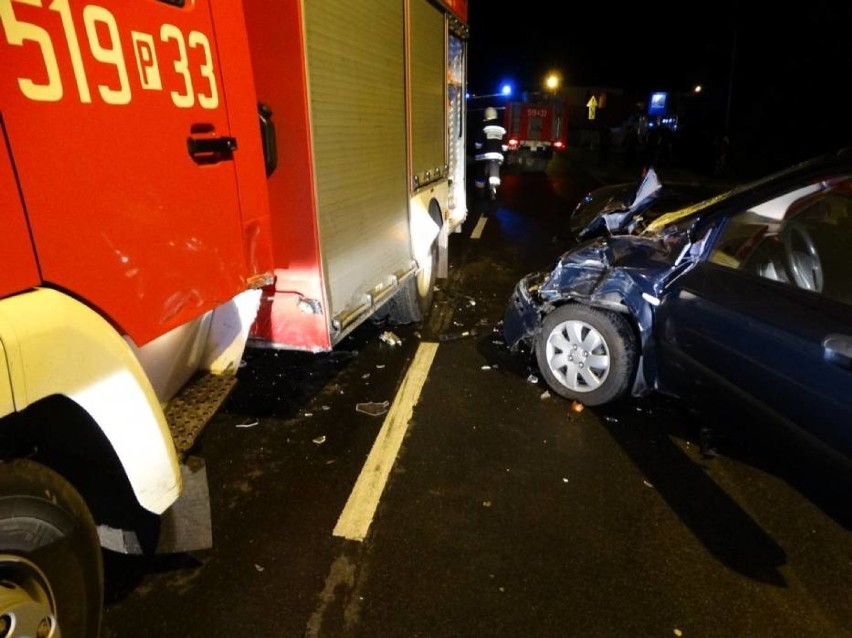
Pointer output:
535, 128
368, 99
155, 223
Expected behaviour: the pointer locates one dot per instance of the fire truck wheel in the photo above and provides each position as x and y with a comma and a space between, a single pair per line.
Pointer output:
413, 302
51, 574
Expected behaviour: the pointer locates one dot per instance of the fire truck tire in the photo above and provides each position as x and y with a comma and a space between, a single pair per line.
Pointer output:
413, 302
407, 304
51, 567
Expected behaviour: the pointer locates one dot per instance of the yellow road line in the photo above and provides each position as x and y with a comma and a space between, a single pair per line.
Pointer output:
480, 226
357, 514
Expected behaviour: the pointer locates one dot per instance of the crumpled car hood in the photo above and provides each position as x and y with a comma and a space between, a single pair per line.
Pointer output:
583, 271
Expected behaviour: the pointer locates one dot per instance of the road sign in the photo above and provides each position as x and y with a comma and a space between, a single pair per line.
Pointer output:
592, 105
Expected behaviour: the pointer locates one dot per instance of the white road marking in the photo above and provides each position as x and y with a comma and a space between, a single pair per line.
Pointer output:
357, 514
480, 226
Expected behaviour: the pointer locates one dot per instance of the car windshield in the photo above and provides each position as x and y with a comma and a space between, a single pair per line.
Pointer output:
681, 218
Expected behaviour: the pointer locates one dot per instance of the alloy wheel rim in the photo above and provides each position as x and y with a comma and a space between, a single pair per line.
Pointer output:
578, 356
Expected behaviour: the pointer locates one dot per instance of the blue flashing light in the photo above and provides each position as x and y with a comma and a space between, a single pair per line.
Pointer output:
506, 89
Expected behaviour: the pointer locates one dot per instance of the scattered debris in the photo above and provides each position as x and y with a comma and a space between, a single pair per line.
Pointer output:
486, 367
259, 567
243, 363
372, 408
486, 503
365, 376
320, 440
308, 414
379, 366
453, 336
325, 408
577, 406
648, 484
564, 479
677, 632
247, 424
532, 378
545, 394
390, 338
611, 419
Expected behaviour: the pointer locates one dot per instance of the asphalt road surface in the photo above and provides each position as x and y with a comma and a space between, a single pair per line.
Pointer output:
478, 505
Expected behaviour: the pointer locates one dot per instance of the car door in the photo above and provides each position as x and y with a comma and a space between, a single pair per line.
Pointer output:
766, 315
115, 116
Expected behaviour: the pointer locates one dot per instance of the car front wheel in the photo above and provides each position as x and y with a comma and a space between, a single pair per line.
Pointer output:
587, 354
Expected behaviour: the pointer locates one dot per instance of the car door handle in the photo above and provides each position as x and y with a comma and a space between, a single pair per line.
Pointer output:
208, 150
837, 349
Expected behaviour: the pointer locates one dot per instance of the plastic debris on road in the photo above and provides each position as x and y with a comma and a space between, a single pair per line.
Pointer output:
577, 406
532, 378
373, 408
545, 395
648, 484
390, 338
247, 424
486, 367
320, 440
259, 568
453, 336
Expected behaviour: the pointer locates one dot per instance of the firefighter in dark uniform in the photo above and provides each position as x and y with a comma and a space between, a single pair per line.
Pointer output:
489, 152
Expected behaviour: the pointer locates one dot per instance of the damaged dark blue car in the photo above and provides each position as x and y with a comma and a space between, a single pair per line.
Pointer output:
748, 293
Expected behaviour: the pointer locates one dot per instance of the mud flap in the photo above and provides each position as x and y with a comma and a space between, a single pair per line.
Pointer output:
187, 525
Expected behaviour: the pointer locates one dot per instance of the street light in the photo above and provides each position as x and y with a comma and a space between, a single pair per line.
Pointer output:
552, 81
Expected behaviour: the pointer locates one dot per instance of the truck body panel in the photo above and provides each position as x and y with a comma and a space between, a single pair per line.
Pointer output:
356, 73
20, 269
129, 89
359, 95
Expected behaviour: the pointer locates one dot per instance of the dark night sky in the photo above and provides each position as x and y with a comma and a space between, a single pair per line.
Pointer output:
790, 74
593, 43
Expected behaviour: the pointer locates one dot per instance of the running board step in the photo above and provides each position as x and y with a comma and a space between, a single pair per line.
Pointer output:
189, 411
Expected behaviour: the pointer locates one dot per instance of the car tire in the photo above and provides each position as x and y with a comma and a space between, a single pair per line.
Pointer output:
51, 569
587, 354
